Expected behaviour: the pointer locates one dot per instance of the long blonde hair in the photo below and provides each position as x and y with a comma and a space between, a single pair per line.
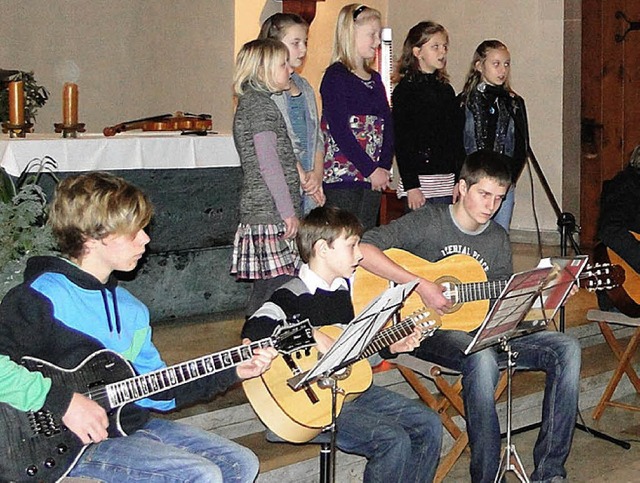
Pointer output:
480, 55
256, 63
344, 45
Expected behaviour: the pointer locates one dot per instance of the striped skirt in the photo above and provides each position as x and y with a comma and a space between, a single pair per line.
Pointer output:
260, 252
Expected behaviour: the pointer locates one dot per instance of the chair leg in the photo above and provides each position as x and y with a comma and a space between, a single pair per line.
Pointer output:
624, 366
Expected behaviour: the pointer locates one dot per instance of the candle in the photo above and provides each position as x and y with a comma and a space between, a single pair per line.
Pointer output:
16, 103
70, 104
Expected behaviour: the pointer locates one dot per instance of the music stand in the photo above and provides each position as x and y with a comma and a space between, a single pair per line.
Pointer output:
546, 286
349, 347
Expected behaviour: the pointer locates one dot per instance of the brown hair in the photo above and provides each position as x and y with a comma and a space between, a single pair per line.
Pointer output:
419, 35
275, 27
94, 205
325, 223
486, 164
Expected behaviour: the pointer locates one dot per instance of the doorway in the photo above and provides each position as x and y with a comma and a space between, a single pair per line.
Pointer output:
610, 100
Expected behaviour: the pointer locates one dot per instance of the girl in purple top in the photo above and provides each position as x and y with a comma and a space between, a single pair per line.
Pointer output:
356, 118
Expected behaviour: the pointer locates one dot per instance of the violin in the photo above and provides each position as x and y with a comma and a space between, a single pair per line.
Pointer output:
180, 121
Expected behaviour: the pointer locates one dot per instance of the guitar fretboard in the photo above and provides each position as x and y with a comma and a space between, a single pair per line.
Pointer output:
396, 332
470, 292
135, 388
389, 336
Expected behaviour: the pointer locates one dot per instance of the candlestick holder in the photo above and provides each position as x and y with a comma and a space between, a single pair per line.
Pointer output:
69, 130
17, 130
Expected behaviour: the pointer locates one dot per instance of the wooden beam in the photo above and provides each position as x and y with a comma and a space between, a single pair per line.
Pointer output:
305, 8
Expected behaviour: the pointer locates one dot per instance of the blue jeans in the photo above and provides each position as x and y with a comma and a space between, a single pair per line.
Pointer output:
505, 213
555, 353
166, 451
400, 437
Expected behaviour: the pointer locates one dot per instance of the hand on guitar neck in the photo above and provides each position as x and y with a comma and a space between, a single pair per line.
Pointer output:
407, 344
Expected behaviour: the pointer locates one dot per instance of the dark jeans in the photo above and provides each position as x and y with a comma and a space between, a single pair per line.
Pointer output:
400, 437
362, 202
555, 353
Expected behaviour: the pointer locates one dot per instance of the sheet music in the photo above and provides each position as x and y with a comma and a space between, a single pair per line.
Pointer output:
556, 292
528, 301
359, 333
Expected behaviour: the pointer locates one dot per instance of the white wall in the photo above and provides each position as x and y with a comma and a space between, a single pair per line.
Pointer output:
149, 57
131, 59
533, 32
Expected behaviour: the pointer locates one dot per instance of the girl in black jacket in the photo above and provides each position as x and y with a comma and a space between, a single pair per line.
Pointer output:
495, 116
427, 123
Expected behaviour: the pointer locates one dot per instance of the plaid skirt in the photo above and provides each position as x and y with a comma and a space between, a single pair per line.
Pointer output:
260, 252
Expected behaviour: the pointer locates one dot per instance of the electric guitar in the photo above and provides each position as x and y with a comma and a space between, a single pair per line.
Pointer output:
625, 297
36, 446
299, 416
465, 283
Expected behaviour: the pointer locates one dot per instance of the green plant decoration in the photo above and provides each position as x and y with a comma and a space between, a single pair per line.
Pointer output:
35, 96
23, 229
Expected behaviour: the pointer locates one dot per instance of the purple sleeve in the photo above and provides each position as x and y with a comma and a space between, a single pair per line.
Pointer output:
272, 173
337, 110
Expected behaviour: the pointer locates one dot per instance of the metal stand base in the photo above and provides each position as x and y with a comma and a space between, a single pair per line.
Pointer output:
510, 460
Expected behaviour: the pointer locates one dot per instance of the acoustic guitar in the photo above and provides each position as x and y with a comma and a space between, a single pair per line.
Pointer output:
299, 416
35, 446
465, 283
626, 296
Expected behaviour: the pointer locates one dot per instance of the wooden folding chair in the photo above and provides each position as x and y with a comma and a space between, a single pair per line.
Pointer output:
448, 397
624, 354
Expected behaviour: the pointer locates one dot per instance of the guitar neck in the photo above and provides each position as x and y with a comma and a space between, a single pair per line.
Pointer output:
139, 387
470, 292
389, 336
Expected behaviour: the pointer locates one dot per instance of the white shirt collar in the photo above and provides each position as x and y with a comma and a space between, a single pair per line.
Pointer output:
313, 281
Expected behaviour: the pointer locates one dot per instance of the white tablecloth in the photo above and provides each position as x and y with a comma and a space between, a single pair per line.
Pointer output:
91, 152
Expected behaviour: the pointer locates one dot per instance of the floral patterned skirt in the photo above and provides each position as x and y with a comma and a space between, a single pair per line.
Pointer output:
260, 252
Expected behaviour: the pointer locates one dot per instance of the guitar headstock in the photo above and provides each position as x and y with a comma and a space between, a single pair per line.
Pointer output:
426, 320
602, 276
293, 337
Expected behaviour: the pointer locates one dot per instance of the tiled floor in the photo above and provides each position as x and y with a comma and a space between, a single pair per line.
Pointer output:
591, 459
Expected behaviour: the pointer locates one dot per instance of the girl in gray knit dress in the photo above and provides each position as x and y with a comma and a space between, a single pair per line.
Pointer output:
264, 246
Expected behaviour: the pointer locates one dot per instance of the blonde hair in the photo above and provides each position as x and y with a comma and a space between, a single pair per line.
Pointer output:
480, 55
276, 26
256, 64
93, 206
419, 35
344, 45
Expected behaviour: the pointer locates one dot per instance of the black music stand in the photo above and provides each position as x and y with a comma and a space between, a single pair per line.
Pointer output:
506, 320
349, 347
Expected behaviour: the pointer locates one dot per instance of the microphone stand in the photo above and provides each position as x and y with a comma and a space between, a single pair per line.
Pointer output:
567, 228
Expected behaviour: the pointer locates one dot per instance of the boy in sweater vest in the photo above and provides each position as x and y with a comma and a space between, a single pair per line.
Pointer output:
401, 438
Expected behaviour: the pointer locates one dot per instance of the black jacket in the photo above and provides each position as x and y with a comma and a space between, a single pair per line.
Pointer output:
427, 128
